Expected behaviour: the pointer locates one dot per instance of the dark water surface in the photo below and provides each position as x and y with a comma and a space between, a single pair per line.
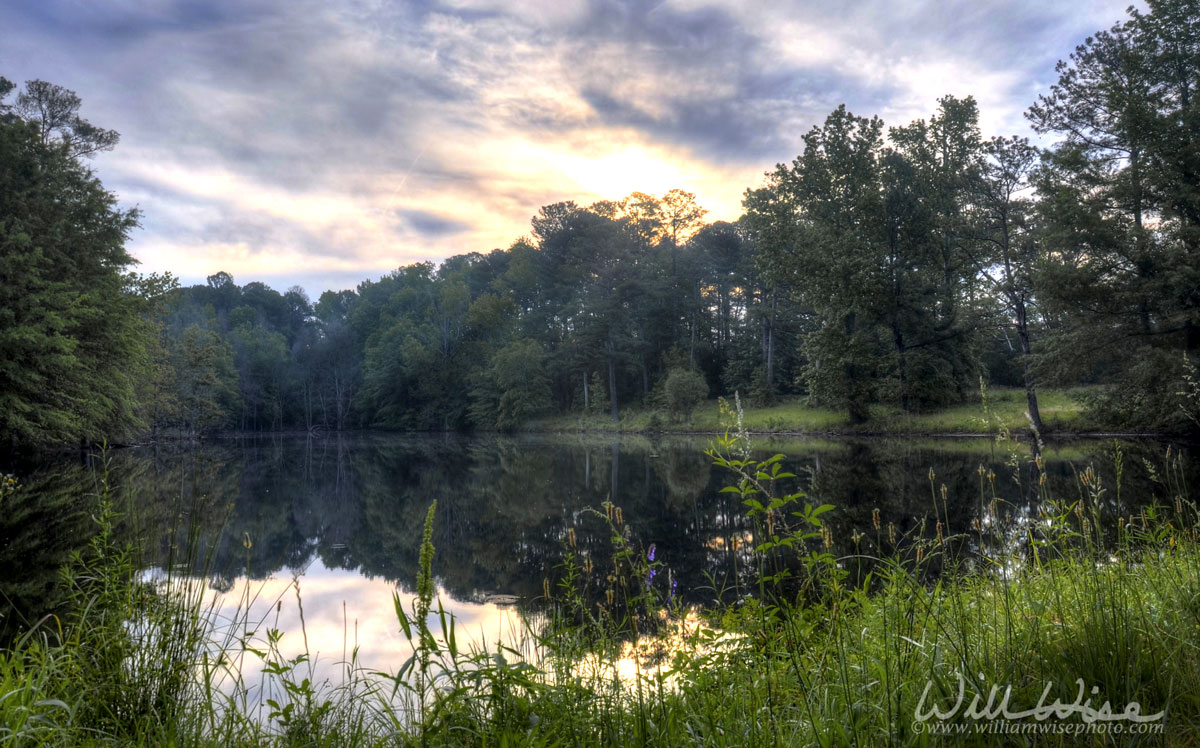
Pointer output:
338, 519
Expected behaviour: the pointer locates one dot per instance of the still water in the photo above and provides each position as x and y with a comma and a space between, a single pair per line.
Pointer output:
329, 528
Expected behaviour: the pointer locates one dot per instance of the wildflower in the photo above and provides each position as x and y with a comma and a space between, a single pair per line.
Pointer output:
976, 526
944, 491
546, 587
246, 541
891, 533
920, 554
875, 519
608, 510
982, 472
1038, 461
1042, 479
827, 536
571, 537
674, 587
650, 553
620, 519
991, 476
588, 567
932, 475
608, 595
940, 539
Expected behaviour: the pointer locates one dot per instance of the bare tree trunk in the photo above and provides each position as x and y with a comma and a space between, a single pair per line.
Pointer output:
771, 346
1035, 416
612, 391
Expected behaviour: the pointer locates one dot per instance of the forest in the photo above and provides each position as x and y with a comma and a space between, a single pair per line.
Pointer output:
899, 264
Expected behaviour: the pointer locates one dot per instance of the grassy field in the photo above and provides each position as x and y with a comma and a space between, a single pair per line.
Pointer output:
1062, 411
1068, 633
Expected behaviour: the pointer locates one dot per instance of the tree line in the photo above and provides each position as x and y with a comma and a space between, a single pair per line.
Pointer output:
882, 265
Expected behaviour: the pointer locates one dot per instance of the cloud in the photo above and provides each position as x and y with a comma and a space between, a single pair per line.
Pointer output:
304, 141
431, 224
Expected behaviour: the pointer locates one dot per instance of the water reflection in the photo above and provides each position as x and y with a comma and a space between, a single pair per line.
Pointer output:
345, 512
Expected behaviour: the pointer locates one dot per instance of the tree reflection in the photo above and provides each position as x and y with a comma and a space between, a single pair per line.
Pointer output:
505, 505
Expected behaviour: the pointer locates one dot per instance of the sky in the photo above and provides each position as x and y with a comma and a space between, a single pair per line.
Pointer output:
321, 143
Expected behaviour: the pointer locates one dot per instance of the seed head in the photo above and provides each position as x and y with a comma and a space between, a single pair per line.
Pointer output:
875, 519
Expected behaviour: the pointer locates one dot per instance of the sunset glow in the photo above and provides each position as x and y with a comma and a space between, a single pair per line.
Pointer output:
327, 144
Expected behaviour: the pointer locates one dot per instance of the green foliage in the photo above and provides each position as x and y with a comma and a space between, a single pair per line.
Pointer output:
874, 272
683, 391
72, 338
513, 389
1121, 212
205, 379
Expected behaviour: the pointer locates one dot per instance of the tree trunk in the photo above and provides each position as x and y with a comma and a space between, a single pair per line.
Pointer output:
612, 390
586, 404
857, 409
695, 320
1035, 416
771, 346
902, 356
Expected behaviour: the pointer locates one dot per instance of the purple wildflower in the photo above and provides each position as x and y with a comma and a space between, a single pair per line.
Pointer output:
650, 553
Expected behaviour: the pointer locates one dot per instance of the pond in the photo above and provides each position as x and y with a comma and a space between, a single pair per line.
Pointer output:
329, 528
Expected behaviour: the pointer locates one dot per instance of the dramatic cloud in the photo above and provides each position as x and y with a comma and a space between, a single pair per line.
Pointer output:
313, 143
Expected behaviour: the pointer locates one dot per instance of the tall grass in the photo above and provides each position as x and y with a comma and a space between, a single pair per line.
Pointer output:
1030, 603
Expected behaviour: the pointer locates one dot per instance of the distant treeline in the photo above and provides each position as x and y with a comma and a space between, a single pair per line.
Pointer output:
894, 265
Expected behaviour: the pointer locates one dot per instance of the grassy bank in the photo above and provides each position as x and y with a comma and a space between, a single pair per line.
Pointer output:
808, 648
1062, 411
